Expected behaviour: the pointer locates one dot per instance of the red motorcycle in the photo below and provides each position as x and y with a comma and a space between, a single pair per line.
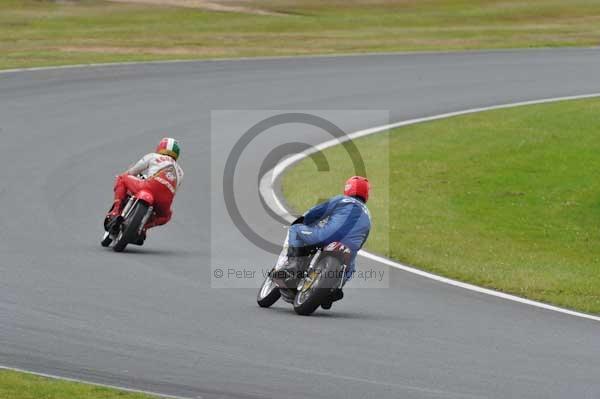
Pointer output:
128, 227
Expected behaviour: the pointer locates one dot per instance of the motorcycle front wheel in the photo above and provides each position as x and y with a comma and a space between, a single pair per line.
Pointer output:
268, 293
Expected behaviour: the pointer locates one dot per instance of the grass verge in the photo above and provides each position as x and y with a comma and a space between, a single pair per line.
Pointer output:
17, 385
45, 32
506, 199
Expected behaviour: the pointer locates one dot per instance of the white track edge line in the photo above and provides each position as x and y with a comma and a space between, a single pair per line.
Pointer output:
267, 191
287, 57
68, 379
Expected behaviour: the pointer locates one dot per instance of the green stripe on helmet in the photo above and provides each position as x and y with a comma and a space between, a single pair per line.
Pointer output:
176, 147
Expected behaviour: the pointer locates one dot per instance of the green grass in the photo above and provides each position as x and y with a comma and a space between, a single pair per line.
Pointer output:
506, 199
43, 32
14, 385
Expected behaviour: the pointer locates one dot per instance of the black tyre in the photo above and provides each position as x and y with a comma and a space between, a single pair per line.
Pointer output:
322, 279
129, 228
268, 294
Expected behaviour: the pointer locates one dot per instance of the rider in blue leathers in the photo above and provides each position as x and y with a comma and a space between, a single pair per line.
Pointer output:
343, 218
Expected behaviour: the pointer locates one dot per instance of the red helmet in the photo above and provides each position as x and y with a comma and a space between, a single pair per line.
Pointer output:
357, 186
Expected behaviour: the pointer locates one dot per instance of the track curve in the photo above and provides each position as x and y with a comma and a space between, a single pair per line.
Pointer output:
149, 320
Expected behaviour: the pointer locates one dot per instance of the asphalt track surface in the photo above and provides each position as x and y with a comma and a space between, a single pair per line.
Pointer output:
149, 319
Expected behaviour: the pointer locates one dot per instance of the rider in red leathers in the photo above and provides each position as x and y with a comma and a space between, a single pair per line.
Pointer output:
161, 175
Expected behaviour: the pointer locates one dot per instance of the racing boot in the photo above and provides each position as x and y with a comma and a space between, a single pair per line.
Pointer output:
142, 237
336, 295
153, 222
112, 215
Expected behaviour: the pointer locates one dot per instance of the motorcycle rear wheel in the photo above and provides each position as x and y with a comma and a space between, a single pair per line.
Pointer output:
130, 226
317, 286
